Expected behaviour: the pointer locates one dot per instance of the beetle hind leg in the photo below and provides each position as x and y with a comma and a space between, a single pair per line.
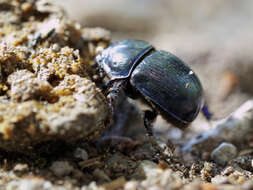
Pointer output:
206, 112
149, 117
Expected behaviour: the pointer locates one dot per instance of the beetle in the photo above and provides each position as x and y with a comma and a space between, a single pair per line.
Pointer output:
159, 78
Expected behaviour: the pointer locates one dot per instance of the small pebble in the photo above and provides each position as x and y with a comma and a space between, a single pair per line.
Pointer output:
29, 184
101, 175
228, 170
81, 154
235, 178
26, 7
219, 179
61, 168
21, 168
224, 153
145, 169
206, 171
131, 185
56, 48
241, 179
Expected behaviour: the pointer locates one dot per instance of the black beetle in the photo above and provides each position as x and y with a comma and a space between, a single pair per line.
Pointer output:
159, 78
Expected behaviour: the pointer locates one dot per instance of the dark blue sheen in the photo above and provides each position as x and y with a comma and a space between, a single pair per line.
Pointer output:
166, 81
118, 59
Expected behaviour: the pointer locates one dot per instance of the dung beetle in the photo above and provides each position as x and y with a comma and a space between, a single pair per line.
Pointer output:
159, 78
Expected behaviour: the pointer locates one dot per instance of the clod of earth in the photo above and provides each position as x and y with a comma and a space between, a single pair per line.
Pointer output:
46, 93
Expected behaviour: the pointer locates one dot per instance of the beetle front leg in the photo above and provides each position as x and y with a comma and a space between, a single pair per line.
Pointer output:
149, 117
112, 95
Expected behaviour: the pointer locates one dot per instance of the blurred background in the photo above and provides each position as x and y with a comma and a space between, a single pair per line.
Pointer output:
214, 37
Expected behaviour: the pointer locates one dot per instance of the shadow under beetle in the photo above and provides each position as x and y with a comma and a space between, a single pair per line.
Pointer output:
159, 78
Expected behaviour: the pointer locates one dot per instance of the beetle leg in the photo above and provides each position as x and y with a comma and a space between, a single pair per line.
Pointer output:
112, 95
149, 117
206, 112
113, 91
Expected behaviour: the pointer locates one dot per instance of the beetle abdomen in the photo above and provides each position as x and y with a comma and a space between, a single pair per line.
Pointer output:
167, 82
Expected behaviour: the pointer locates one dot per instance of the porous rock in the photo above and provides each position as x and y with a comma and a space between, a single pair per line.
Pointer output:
61, 168
46, 91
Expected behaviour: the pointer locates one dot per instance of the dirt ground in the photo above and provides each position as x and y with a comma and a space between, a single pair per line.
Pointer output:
53, 112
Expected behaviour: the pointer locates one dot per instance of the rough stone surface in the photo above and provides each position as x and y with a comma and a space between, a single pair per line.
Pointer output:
224, 153
29, 184
81, 154
46, 93
236, 129
61, 168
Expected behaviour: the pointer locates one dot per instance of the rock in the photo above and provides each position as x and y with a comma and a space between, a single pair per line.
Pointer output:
131, 185
30, 184
25, 86
243, 161
101, 175
228, 170
237, 129
206, 172
81, 154
159, 179
46, 92
61, 168
21, 168
219, 179
93, 186
236, 178
224, 153
144, 169
119, 163
90, 34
